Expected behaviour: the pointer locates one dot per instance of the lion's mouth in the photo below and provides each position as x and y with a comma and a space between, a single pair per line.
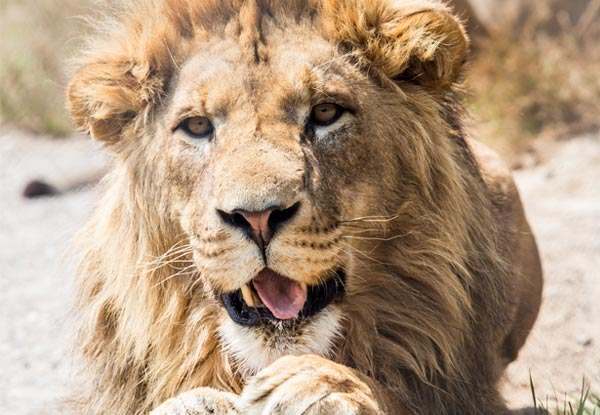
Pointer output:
271, 297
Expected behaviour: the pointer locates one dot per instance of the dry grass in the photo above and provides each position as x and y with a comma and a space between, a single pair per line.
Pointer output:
37, 38
587, 403
528, 84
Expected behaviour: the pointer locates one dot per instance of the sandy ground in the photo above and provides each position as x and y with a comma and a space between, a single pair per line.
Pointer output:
34, 286
562, 198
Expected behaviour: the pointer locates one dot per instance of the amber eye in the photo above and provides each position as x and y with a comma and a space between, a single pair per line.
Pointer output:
326, 114
197, 127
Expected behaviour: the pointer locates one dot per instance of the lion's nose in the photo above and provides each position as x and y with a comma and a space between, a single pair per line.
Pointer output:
260, 226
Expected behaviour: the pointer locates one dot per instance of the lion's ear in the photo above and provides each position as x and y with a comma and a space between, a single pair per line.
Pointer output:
427, 47
423, 45
104, 97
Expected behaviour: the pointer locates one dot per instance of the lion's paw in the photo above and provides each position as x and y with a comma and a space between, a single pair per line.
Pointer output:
308, 385
201, 401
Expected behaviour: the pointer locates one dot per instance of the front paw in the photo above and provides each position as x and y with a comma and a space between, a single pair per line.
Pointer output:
308, 385
201, 401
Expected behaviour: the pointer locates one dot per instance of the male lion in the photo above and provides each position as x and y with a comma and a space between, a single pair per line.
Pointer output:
295, 222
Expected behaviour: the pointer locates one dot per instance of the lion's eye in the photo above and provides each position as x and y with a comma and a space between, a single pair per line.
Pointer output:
326, 114
197, 127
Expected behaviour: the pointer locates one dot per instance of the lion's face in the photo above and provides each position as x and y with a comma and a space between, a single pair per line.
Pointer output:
271, 146
269, 159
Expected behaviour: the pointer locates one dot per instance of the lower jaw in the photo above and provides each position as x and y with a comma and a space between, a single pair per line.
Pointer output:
318, 298
253, 348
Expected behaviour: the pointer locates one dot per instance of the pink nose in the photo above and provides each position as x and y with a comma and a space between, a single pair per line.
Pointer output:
260, 226
260, 230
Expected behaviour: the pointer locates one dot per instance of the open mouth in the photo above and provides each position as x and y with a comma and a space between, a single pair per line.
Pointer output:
271, 297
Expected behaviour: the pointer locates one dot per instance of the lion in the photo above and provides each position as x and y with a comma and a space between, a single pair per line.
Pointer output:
295, 221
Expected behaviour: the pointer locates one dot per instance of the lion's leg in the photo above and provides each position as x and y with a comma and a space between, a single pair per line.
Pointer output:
201, 401
308, 385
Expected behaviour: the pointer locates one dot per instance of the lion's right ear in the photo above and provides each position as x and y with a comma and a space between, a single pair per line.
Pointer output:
105, 97
414, 41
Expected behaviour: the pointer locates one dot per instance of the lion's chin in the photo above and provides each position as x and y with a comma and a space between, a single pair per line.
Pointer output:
271, 298
253, 348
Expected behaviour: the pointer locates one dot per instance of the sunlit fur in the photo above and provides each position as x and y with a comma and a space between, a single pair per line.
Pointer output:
438, 254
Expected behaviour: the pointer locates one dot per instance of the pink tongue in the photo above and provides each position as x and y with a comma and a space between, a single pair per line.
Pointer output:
282, 296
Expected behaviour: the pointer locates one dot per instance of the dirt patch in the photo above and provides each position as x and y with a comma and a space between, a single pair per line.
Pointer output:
34, 287
562, 199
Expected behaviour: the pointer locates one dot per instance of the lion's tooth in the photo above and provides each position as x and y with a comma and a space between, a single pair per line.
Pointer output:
304, 287
248, 296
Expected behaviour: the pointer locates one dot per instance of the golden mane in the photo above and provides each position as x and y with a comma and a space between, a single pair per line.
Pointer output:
426, 322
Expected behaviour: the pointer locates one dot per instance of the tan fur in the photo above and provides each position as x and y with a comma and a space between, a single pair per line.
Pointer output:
443, 275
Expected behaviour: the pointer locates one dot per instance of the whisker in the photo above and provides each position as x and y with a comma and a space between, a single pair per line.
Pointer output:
175, 246
360, 229
174, 250
364, 254
374, 238
158, 265
371, 219
177, 251
175, 275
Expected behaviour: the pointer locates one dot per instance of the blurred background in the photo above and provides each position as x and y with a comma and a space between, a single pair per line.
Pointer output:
534, 70
533, 89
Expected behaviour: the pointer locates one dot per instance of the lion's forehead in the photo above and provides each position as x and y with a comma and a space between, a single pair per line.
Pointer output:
222, 76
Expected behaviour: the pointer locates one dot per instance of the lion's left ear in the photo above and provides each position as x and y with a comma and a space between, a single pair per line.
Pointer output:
426, 45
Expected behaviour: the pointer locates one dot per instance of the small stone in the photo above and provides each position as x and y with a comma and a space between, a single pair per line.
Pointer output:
37, 188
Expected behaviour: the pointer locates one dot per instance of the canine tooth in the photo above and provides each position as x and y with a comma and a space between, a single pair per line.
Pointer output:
304, 287
248, 296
